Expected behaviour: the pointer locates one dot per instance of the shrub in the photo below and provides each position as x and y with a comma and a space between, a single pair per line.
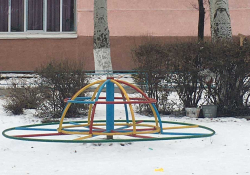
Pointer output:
150, 61
61, 80
186, 63
230, 64
219, 71
14, 106
167, 67
22, 95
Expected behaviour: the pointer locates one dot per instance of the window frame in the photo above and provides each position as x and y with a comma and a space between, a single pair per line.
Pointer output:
39, 32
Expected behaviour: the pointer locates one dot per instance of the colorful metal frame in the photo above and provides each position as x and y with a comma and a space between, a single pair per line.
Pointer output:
91, 129
110, 101
131, 138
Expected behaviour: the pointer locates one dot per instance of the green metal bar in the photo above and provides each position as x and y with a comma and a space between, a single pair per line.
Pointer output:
113, 140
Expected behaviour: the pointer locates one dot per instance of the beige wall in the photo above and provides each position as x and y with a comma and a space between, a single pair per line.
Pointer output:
159, 17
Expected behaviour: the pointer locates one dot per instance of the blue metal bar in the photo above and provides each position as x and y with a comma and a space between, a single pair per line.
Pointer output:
74, 123
35, 129
110, 96
100, 90
82, 98
158, 116
47, 129
124, 127
81, 102
126, 112
174, 133
124, 131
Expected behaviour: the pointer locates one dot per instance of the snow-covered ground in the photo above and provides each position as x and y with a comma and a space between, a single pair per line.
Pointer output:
225, 153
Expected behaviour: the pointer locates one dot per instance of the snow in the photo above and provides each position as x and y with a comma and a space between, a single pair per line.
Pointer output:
227, 152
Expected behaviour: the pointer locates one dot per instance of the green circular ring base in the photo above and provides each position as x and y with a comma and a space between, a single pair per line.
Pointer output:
211, 133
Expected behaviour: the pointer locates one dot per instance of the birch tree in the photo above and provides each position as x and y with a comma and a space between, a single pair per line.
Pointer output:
221, 31
102, 55
220, 20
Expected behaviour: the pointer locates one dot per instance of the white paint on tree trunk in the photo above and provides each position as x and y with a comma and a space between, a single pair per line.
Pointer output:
102, 56
220, 20
103, 60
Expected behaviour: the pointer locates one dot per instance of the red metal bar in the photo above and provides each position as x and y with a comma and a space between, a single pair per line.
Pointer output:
134, 87
92, 119
134, 98
98, 128
125, 102
149, 129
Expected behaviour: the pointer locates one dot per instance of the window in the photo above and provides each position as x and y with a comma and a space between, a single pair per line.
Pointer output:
4, 8
37, 15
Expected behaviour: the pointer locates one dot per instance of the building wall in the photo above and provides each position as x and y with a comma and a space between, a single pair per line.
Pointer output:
159, 17
129, 21
27, 55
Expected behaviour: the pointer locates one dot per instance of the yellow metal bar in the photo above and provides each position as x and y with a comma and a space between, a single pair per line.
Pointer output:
116, 133
73, 98
75, 126
181, 127
130, 105
157, 129
92, 98
63, 116
103, 124
111, 134
127, 133
139, 124
155, 115
75, 132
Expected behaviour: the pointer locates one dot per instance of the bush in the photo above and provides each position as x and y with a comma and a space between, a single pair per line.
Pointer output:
150, 61
14, 106
22, 96
167, 67
61, 80
219, 71
186, 64
226, 82
230, 64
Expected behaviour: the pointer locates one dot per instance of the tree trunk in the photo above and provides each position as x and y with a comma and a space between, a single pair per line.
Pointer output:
230, 99
201, 20
220, 20
102, 55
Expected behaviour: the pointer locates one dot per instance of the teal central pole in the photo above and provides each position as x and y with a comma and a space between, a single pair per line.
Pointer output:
110, 107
